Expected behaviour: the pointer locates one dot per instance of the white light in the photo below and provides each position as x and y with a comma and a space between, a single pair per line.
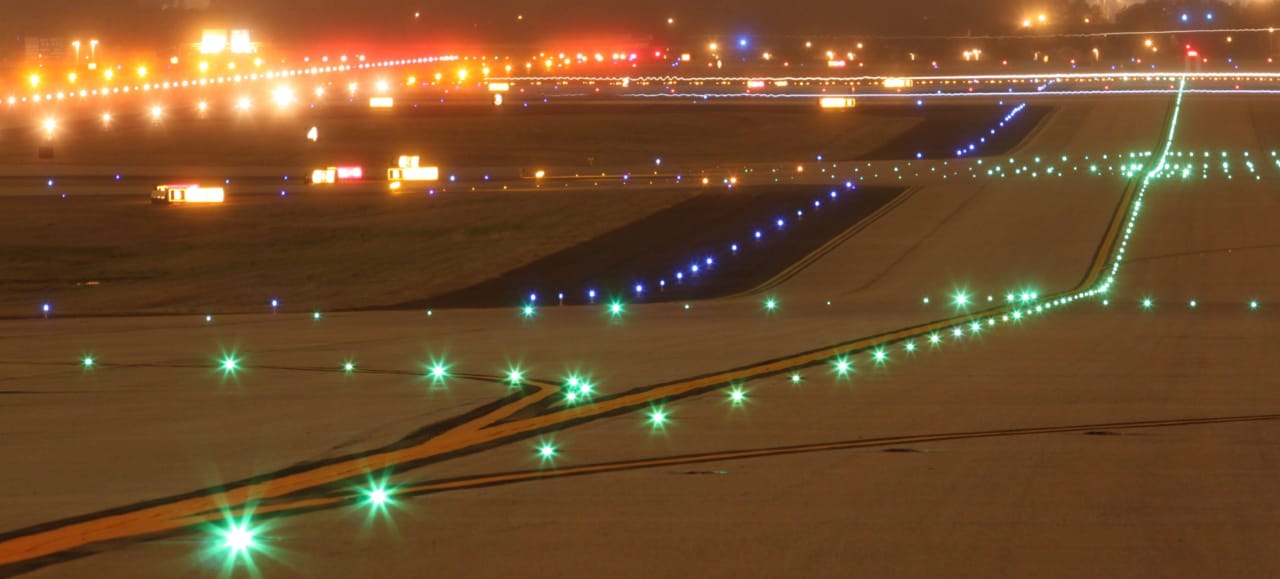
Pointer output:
283, 96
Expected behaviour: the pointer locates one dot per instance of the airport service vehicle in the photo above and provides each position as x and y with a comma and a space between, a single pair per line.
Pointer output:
182, 194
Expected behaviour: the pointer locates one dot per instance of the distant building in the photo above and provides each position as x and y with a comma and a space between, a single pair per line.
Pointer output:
182, 4
42, 50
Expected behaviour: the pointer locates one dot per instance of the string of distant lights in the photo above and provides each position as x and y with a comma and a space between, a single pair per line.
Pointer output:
1040, 36
705, 264
202, 82
1037, 78
229, 515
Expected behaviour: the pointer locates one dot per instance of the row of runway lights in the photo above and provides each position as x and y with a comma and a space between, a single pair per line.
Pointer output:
106, 91
240, 537
1131, 164
705, 264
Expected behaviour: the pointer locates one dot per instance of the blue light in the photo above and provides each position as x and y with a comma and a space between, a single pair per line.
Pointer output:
1186, 17
1209, 16
742, 42
734, 248
533, 297
591, 294
275, 303
639, 289
758, 235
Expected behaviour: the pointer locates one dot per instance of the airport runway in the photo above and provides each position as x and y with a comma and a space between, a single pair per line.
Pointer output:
869, 424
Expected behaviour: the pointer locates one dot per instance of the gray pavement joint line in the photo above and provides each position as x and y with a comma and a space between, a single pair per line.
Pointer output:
428, 487
808, 260
49, 541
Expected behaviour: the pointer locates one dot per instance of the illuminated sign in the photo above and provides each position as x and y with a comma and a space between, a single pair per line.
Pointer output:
898, 83
324, 176
382, 102
332, 175
213, 41
837, 102
413, 174
187, 193
755, 84
499, 87
241, 42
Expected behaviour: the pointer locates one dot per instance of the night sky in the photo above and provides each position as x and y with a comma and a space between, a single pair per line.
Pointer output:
307, 22
497, 19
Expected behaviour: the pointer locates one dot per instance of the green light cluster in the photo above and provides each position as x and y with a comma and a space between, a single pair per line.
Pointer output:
578, 389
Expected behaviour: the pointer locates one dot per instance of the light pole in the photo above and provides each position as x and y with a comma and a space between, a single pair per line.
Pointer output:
76, 45
93, 51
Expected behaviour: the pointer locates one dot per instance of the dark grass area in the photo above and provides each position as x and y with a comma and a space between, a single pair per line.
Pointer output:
657, 247
946, 128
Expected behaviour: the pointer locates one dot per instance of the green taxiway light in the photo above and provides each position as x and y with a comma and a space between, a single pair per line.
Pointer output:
515, 376
229, 364
1148, 303
616, 308
1192, 304
239, 539
88, 361
438, 371
935, 339
842, 366
658, 418
880, 356
1253, 305
528, 311
796, 378
957, 332
348, 366
910, 346
771, 304
961, 299
316, 316
378, 496
547, 451
737, 395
